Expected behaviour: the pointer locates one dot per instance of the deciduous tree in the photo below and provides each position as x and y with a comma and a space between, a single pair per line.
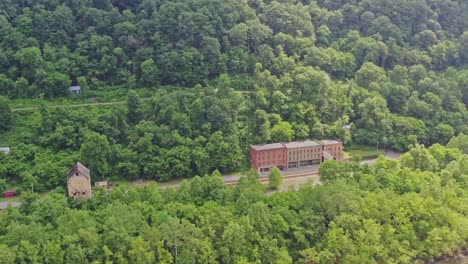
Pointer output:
275, 178
95, 152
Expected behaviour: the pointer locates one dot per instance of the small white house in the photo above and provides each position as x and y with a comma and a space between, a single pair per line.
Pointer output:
101, 184
5, 150
75, 89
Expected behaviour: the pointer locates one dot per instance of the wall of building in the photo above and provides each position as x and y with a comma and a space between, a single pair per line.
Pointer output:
253, 158
268, 158
336, 150
305, 156
271, 158
292, 156
79, 186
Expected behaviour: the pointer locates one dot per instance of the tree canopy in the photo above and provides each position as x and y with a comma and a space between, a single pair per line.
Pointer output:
384, 212
203, 80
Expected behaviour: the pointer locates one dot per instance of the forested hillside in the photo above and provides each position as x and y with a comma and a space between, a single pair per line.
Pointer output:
224, 75
202, 80
382, 213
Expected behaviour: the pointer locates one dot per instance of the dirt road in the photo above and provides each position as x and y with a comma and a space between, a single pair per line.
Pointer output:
75, 105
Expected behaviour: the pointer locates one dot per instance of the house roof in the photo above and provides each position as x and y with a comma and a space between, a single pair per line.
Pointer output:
75, 88
268, 146
330, 142
5, 149
302, 144
78, 167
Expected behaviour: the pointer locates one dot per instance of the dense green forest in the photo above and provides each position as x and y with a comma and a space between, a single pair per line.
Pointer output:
223, 75
387, 212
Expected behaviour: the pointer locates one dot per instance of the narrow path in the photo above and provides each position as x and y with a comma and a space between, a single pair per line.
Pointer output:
75, 105
92, 104
5, 204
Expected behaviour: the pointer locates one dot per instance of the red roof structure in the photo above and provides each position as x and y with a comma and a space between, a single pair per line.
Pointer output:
10, 193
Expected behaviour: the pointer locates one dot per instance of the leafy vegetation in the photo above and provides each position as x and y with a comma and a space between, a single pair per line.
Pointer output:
275, 178
5, 114
246, 72
364, 151
386, 212
203, 80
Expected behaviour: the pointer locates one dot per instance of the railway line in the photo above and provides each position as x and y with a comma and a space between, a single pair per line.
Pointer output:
286, 177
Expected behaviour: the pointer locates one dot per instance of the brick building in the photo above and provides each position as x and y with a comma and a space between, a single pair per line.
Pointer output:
291, 155
302, 154
333, 149
265, 157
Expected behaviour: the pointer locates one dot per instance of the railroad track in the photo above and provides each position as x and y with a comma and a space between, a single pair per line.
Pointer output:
291, 176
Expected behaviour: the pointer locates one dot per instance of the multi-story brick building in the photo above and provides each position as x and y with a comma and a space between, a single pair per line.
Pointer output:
265, 157
291, 155
301, 154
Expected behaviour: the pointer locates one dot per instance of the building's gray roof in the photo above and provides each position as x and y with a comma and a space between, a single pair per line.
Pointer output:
268, 146
302, 144
5, 149
299, 144
4, 205
79, 168
75, 88
330, 142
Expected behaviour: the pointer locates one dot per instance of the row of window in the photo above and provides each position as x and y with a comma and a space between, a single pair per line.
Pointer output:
271, 163
267, 156
303, 163
303, 157
305, 151
334, 148
273, 158
308, 153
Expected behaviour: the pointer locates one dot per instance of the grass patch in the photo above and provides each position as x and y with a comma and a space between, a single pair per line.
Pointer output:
363, 151
41, 196
11, 200
136, 183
